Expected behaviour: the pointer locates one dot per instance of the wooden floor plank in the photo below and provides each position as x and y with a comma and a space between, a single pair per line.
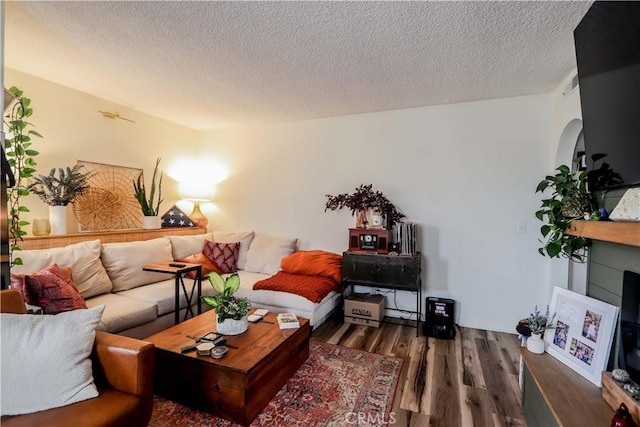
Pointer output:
469, 381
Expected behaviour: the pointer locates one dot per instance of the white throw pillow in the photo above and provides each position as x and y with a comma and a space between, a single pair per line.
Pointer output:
183, 246
266, 252
87, 270
45, 360
124, 261
244, 238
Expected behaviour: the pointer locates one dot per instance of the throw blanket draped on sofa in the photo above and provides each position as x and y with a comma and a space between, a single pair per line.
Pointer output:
310, 274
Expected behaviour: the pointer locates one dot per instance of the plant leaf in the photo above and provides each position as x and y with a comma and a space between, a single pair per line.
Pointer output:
217, 282
232, 283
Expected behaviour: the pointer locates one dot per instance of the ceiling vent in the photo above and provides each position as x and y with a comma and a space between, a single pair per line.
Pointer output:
571, 85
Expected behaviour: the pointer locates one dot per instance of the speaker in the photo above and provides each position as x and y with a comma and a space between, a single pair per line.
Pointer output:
439, 318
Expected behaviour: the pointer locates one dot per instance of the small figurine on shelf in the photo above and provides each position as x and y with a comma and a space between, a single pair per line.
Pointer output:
622, 417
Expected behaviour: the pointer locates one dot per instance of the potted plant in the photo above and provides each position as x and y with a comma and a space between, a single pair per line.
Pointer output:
537, 324
21, 159
569, 201
59, 191
149, 205
231, 312
363, 200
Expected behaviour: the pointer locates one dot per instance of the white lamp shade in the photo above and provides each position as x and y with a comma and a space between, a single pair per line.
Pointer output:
195, 190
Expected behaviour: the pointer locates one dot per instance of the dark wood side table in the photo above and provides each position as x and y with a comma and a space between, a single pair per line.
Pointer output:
178, 273
386, 272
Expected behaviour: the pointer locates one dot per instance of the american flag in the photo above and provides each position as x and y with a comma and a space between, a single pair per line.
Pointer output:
175, 217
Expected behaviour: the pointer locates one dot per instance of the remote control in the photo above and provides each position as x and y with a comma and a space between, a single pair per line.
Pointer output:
177, 264
188, 348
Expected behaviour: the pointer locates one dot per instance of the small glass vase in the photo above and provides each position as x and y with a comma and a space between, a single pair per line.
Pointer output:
535, 344
231, 326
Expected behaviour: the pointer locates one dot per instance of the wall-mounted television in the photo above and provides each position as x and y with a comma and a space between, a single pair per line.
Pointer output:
607, 42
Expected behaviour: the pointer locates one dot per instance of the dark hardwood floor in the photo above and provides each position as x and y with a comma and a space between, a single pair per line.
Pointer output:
469, 381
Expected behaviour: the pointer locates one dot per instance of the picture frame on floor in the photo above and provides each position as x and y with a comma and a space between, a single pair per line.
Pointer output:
583, 333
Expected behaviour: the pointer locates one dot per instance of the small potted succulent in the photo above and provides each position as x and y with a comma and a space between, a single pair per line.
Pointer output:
231, 312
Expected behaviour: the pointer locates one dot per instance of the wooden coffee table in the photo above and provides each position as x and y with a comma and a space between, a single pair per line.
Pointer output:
239, 385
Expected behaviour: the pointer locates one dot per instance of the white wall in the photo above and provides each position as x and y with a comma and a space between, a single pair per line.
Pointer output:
72, 130
466, 173
566, 126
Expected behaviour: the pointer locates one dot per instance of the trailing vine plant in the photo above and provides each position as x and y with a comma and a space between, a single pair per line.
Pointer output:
569, 201
20, 156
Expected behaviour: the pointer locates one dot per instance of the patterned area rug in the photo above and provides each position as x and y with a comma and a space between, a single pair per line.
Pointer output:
336, 386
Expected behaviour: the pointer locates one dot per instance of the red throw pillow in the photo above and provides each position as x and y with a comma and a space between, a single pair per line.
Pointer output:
224, 255
53, 290
17, 282
207, 265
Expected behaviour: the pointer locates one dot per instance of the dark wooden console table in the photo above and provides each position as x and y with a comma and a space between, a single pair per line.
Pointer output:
386, 272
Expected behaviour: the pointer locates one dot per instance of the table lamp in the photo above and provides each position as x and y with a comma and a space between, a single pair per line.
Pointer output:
196, 192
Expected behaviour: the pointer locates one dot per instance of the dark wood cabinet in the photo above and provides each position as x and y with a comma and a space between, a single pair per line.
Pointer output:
386, 272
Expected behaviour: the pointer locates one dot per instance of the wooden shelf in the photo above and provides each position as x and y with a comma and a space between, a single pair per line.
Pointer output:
625, 233
59, 240
572, 400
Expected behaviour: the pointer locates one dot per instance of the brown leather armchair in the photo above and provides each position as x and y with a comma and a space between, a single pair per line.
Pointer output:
123, 373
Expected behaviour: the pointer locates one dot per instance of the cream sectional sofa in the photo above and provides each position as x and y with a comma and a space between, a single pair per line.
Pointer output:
139, 304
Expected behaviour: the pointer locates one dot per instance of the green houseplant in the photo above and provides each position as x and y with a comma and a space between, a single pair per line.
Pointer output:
149, 205
569, 200
21, 160
62, 189
59, 191
231, 312
360, 201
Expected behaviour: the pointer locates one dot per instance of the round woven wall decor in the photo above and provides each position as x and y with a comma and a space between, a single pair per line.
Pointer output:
97, 209
109, 203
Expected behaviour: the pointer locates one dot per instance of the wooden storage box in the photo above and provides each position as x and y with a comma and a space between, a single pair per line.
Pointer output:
614, 395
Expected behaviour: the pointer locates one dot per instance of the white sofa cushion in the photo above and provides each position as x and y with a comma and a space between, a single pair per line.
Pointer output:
45, 360
266, 252
245, 238
124, 261
162, 294
264, 298
87, 270
183, 246
122, 313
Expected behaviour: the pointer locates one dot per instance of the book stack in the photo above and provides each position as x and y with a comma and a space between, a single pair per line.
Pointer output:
258, 315
406, 236
288, 321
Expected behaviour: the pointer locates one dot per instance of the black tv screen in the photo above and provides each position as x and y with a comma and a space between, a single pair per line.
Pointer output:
607, 42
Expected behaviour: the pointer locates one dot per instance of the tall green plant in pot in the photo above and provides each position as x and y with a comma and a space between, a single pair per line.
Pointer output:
569, 201
149, 205
21, 159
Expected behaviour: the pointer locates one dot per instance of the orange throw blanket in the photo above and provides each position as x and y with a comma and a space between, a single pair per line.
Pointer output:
310, 274
313, 288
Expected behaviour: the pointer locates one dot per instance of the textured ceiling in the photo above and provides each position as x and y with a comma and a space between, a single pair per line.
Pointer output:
211, 65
